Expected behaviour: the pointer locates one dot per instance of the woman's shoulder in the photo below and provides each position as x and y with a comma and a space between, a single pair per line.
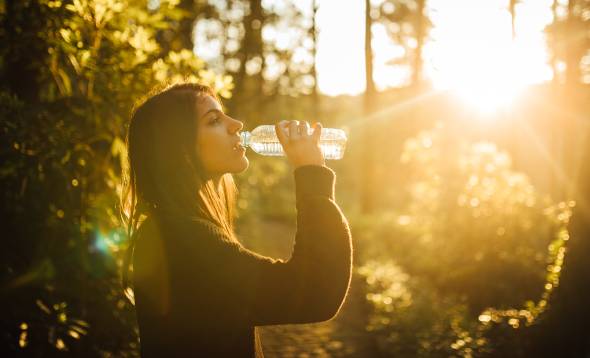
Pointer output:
206, 225
186, 226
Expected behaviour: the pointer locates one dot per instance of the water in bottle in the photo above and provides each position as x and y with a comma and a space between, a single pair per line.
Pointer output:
263, 140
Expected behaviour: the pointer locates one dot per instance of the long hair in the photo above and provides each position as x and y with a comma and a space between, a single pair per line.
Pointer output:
163, 171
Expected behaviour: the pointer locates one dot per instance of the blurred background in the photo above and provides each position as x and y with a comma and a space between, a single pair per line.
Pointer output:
464, 179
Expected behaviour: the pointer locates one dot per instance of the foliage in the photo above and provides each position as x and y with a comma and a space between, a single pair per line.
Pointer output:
476, 248
266, 189
61, 164
412, 319
568, 39
265, 46
407, 25
469, 261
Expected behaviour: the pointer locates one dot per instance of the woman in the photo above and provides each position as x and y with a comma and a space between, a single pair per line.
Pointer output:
198, 291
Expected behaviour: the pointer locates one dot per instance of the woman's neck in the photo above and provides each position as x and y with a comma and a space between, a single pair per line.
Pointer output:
217, 180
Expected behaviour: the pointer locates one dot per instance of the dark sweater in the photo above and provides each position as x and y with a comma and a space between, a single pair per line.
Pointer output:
199, 294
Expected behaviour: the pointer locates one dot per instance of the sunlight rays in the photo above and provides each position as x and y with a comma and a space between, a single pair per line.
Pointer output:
388, 113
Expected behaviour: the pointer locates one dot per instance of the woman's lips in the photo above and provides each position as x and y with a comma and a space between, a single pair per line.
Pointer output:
239, 148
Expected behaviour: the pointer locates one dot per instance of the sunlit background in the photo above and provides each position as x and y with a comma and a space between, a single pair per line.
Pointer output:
486, 66
465, 177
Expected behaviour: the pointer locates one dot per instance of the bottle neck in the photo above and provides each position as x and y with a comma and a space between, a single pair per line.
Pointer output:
245, 138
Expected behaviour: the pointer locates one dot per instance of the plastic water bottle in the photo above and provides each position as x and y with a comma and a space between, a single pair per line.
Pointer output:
263, 140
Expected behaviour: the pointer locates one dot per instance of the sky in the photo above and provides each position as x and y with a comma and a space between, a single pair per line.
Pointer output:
470, 44
471, 40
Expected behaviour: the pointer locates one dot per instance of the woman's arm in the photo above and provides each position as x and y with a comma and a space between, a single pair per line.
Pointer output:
309, 287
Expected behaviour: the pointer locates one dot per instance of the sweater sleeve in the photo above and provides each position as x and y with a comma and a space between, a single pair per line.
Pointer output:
311, 286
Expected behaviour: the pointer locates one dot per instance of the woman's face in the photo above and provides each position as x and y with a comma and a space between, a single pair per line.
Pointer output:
218, 139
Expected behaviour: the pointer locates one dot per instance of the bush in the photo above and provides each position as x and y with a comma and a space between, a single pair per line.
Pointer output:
61, 164
475, 247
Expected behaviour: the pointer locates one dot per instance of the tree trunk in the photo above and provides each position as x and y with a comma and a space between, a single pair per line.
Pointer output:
420, 34
555, 79
572, 73
512, 10
250, 48
314, 93
367, 160
25, 50
180, 36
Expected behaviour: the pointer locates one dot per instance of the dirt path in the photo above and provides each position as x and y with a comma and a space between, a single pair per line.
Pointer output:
343, 336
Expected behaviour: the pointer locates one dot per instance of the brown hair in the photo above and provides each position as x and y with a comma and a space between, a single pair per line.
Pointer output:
163, 171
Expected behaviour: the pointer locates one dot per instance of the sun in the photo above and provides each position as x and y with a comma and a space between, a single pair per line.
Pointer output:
485, 67
488, 78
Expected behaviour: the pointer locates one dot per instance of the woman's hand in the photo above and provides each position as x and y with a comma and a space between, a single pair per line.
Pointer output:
301, 148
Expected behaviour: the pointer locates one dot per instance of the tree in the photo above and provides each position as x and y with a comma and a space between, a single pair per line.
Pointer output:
554, 68
420, 37
63, 115
407, 24
266, 46
178, 34
471, 259
512, 9
367, 159
569, 39
22, 49
314, 37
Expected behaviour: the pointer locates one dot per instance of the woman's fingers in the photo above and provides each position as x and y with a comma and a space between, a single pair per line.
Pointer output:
294, 130
280, 131
304, 129
300, 146
317, 132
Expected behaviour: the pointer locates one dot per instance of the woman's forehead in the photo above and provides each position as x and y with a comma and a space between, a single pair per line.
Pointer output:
206, 103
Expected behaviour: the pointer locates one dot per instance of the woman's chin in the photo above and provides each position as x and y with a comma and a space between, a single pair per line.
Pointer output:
244, 165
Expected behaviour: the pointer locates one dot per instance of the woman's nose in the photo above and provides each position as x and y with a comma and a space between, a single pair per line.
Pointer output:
236, 125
